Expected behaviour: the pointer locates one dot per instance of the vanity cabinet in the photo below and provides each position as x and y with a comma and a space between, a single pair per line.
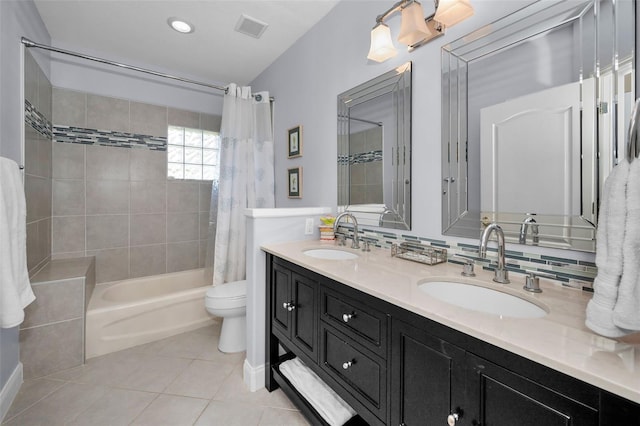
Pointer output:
395, 367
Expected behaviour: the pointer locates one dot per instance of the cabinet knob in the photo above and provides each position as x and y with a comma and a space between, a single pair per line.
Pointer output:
452, 419
347, 365
347, 317
289, 306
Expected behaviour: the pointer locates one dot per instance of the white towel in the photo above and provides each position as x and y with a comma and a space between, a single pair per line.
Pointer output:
15, 288
626, 313
324, 400
609, 239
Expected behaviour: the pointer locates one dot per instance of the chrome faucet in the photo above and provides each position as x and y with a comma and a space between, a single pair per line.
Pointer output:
356, 239
534, 231
501, 273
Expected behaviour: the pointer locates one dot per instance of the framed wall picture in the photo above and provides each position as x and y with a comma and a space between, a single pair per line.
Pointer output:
295, 141
295, 182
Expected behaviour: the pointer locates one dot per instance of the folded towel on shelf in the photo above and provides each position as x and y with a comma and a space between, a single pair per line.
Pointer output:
626, 313
609, 239
15, 288
322, 398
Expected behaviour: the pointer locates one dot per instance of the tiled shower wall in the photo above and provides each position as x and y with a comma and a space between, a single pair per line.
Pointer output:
37, 163
112, 198
365, 167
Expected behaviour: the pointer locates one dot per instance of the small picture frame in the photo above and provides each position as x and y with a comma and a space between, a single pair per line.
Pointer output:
295, 141
294, 176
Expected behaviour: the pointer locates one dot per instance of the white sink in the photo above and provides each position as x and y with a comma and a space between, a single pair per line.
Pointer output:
482, 299
330, 254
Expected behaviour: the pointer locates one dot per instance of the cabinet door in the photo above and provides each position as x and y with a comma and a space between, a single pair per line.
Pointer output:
280, 299
499, 397
305, 314
427, 377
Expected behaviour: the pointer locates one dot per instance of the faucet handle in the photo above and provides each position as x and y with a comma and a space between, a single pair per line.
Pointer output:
467, 267
340, 239
532, 281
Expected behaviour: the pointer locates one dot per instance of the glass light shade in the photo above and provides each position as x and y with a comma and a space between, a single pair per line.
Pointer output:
450, 12
413, 27
381, 44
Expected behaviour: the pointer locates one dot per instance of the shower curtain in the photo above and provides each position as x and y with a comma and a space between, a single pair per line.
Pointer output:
246, 180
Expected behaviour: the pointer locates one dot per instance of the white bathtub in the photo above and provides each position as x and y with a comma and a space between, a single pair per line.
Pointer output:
128, 313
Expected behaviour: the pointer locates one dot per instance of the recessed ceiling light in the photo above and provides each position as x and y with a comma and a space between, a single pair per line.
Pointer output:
181, 26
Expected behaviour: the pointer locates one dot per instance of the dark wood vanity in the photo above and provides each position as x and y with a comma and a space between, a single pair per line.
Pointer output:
395, 367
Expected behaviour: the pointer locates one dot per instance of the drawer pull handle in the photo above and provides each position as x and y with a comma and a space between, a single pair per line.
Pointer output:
452, 419
289, 306
348, 364
348, 317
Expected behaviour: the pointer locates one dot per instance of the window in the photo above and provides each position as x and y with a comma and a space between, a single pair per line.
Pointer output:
192, 154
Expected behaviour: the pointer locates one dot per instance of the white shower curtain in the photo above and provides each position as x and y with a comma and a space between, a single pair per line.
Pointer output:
246, 177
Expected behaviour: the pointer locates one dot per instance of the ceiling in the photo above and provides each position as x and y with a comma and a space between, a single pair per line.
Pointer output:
136, 31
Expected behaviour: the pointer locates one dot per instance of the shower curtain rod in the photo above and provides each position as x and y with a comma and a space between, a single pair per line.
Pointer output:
30, 43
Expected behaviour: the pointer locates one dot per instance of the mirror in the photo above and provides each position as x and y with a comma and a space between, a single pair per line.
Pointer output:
535, 110
374, 150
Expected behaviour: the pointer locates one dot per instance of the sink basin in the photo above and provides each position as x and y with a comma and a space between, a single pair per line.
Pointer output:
482, 299
330, 254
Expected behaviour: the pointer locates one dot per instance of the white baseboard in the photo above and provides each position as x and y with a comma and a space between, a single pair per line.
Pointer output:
253, 376
10, 390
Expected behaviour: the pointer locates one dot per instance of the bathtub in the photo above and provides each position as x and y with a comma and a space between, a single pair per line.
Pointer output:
123, 314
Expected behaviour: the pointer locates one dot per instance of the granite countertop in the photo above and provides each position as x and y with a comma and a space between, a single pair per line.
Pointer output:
560, 340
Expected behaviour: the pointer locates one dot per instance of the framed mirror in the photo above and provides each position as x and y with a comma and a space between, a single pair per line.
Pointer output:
374, 150
535, 109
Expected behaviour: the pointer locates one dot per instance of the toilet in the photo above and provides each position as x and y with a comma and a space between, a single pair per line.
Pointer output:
229, 302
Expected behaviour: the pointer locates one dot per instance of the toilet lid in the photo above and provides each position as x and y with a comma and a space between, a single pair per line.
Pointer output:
232, 290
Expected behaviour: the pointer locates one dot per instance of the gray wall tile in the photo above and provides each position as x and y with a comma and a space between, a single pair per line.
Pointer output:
44, 104
105, 113
111, 264
204, 225
38, 196
180, 117
68, 197
31, 139
68, 161
47, 349
30, 79
68, 234
148, 197
148, 119
202, 254
107, 197
183, 227
183, 197
148, 260
107, 231
205, 196
148, 165
183, 256
148, 229
210, 122
34, 249
55, 301
69, 108
104, 162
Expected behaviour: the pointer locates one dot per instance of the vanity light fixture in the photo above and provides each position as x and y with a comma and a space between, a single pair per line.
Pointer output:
415, 30
181, 25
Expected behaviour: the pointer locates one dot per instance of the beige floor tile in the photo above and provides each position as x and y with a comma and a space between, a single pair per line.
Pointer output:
201, 379
171, 410
61, 406
153, 373
31, 392
234, 390
117, 407
277, 399
187, 345
279, 417
230, 414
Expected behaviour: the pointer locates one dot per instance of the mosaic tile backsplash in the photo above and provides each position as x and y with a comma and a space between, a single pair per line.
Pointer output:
570, 272
84, 136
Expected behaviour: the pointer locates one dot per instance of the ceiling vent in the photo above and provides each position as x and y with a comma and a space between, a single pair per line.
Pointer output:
251, 26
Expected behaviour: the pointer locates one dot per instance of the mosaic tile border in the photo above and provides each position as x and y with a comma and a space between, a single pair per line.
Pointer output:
360, 158
570, 272
84, 136
37, 120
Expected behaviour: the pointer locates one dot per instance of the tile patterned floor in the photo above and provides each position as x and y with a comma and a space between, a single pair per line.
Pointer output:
183, 380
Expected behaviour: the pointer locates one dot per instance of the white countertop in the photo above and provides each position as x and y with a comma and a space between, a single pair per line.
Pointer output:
560, 340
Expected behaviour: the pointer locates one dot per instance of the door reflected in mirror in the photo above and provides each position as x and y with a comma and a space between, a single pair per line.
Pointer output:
374, 150
535, 109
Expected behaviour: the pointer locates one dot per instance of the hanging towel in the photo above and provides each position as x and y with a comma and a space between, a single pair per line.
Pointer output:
15, 288
609, 239
626, 313
324, 400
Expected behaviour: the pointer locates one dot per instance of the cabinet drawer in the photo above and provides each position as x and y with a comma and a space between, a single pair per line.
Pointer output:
363, 375
368, 326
